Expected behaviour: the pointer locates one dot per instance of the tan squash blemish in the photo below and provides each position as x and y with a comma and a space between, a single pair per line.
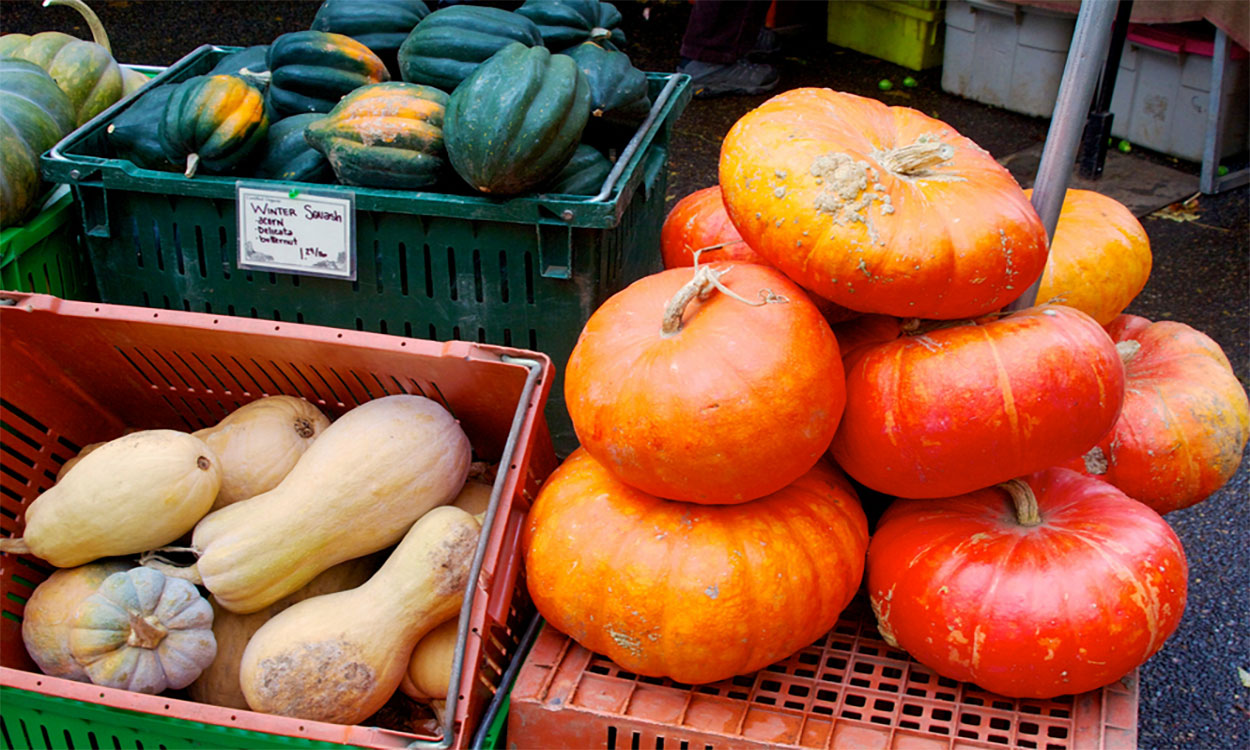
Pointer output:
293, 682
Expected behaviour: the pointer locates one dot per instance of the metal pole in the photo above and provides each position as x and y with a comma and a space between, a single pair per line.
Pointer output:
1090, 40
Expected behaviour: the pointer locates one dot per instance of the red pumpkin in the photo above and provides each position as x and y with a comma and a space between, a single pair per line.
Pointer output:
879, 209
697, 593
955, 409
1185, 421
1099, 257
689, 393
1071, 591
700, 221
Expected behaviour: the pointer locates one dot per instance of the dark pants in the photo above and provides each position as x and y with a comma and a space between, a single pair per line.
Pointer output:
723, 31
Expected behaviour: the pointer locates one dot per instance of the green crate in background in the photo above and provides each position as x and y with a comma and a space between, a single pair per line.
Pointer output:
908, 33
524, 272
46, 255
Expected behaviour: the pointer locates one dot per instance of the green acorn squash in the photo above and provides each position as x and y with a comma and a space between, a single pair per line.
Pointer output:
134, 135
516, 120
584, 174
249, 61
386, 135
617, 89
565, 23
213, 122
451, 42
288, 154
380, 25
34, 114
85, 71
311, 70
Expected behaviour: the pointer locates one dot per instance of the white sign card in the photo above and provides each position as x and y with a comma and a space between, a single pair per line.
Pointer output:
294, 231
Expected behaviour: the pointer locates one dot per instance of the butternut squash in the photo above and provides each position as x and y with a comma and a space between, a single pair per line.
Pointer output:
130, 495
428, 677
338, 658
473, 498
49, 614
357, 489
218, 684
259, 442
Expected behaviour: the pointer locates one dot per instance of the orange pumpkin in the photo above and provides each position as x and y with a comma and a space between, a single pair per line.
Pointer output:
1185, 421
879, 209
700, 221
697, 593
1099, 257
689, 393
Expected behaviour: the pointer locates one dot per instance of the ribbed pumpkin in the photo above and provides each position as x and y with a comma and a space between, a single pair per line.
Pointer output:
689, 393
584, 174
380, 25
699, 221
960, 408
135, 134
617, 89
310, 71
49, 615
1099, 257
247, 61
34, 115
565, 23
289, 156
384, 135
85, 71
214, 123
877, 208
452, 42
516, 121
1185, 421
1053, 585
696, 593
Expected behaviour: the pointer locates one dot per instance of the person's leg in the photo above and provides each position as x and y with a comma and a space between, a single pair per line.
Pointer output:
714, 48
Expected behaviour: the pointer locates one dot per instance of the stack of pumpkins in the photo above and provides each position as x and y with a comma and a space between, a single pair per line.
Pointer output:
298, 525
387, 94
50, 83
701, 532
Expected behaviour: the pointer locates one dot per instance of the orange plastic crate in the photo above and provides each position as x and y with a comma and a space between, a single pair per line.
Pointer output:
73, 373
850, 689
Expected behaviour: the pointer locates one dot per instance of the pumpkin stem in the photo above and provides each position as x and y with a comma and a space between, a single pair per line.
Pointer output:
1025, 501
193, 161
145, 633
14, 546
258, 78
915, 159
701, 285
98, 34
1128, 350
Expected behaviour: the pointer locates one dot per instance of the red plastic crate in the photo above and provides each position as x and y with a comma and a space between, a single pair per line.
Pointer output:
73, 373
850, 689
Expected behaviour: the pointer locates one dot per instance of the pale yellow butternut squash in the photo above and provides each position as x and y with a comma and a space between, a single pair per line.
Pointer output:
428, 676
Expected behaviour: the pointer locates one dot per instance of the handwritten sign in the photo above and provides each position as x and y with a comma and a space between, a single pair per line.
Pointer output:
297, 232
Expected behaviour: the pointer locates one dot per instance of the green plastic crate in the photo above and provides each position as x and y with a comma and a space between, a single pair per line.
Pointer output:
46, 255
909, 34
525, 272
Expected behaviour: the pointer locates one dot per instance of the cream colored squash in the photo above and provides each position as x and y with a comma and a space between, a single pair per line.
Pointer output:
473, 498
356, 490
130, 495
144, 632
428, 676
218, 684
49, 613
340, 657
259, 442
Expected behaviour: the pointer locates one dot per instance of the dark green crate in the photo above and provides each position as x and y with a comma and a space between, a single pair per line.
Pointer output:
46, 254
524, 272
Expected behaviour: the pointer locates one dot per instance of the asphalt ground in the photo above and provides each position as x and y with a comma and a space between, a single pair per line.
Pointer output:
1191, 693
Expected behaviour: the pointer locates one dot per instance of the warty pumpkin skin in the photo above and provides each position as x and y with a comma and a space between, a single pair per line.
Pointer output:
696, 593
1099, 257
49, 615
340, 657
879, 209
713, 400
1062, 601
1185, 421
356, 490
959, 408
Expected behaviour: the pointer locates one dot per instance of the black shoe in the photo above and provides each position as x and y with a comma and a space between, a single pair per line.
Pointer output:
767, 46
708, 80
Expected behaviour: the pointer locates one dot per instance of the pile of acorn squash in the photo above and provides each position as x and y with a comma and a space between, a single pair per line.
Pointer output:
388, 94
297, 526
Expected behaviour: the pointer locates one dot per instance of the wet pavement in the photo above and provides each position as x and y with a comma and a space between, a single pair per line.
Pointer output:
1192, 695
